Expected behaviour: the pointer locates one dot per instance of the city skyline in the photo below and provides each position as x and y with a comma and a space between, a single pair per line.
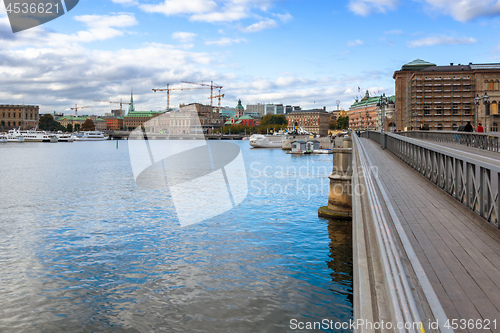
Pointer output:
265, 51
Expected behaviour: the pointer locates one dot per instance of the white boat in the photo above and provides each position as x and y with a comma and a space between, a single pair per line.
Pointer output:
266, 141
34, 135
3, 138
90, 136
65, 137
323, 151
14, 138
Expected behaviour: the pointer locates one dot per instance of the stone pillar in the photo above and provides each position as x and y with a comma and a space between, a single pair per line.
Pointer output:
340, 193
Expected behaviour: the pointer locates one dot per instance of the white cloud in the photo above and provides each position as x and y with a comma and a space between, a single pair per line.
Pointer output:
175, 7
356, 42
102, 27
261, 25
443, 40
225, 41
367, 7
465, 10
184, 37
284, 17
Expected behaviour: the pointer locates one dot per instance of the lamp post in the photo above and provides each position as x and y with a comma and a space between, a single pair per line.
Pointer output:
486, 102
382, 103
366, 121
477, 101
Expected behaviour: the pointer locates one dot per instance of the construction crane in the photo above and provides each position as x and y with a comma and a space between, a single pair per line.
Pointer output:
211, 85
219, 96
168, 92
120, 102
79, 107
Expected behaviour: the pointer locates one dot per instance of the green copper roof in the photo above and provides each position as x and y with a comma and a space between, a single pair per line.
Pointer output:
239, 106
245, 117
416, 65
142, 114
370, 101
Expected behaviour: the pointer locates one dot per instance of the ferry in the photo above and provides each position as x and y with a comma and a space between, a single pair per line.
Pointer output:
3, 138
34, 135
64, 137
14, 138
90, 136
266, 141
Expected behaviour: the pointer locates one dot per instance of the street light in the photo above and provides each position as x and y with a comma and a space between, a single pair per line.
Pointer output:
486, 101
382, 103
477, 101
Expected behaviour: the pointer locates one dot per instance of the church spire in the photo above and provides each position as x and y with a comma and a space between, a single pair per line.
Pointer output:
131, 107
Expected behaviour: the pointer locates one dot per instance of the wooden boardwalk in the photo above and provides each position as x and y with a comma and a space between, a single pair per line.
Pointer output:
459, 251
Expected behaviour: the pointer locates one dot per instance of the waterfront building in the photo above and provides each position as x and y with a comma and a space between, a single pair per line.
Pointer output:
100, 124
442, 97
240, 117
315, 121
15, 116
114, 123
209, 116
73, 120
366, 114
260, 109
134, 119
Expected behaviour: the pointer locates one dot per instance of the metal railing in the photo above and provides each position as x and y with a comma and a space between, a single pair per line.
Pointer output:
471, 181
477, 140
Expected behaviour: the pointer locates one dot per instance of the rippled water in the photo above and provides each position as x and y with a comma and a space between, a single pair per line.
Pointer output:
83, 249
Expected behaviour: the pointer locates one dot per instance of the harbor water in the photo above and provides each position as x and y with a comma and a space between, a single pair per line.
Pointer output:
84, 249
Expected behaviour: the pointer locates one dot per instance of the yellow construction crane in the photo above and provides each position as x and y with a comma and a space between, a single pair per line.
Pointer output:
211, 85
79, 107
120, 102
168, 92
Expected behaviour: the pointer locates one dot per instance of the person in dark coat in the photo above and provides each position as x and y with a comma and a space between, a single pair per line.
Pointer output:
468, 127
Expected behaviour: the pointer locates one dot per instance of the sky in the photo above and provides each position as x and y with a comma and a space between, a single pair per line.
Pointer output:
311, 53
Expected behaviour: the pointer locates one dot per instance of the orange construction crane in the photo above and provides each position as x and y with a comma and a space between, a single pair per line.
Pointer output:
211, 85
219, 96
79, 107
120, 102
168, 92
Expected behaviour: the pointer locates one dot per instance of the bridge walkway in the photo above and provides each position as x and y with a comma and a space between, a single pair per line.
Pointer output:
488, 156
459, 251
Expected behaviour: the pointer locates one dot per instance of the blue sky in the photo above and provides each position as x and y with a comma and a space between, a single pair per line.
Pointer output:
309, 53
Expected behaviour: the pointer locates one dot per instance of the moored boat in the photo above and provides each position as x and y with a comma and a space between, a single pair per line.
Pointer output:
90, 136
3, 138
266, 141
65, 137
33, 135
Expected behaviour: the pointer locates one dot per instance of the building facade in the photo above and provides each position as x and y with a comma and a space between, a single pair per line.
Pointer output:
134, 119
315, 121
444, 97
15, 116
366, 114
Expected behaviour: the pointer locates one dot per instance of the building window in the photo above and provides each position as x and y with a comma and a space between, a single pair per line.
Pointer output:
494, 127
494, 108
440, 127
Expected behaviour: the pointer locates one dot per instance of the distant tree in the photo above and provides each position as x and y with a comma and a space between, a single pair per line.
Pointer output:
69, 128
343, 122
333, 125
272, 123
47, 123
77, 127
88, 125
